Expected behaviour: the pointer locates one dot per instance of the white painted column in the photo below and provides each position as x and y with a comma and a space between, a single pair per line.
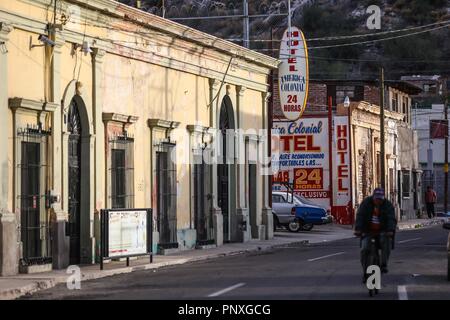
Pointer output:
214, 86
240, 150
60, 242
9, 264
99, 145
243, 219
267, 217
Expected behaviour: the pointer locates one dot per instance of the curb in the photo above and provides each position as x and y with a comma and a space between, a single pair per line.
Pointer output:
36, 286
421, 225
27, 289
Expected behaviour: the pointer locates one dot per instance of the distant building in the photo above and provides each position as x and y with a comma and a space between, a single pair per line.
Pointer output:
431, 151
430, 89
403, 172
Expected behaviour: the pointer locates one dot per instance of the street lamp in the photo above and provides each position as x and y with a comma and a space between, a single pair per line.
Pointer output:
350, 203
347, 102
441, 93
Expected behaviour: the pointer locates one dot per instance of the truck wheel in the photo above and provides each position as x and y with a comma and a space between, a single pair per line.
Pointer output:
308, 227
294, 226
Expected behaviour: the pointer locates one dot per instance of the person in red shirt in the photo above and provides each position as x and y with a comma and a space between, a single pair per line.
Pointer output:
430, 200
375, 218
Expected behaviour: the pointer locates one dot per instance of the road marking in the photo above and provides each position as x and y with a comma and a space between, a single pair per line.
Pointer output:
327, 256
219, 293
409, 240
402, 293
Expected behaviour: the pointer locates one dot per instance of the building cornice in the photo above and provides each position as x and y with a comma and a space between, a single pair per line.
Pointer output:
145, 19
21, 103
374, 109
189, 43
121, 118
163, 124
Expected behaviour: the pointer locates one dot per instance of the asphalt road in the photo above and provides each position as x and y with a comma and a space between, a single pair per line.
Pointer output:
331, 270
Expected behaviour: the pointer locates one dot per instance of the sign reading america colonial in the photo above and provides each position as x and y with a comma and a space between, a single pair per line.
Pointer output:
293, 74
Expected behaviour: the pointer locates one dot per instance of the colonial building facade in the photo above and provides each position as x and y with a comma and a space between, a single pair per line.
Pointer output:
403, 173
106, 106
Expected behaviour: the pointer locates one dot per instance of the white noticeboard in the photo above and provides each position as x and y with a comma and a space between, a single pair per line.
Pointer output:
293, 74
127, 233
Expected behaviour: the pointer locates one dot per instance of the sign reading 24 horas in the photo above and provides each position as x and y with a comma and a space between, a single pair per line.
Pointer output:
293, 74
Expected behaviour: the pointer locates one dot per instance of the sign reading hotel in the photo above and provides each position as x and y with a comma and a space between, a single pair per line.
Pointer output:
341, 162
300, 157
293, 74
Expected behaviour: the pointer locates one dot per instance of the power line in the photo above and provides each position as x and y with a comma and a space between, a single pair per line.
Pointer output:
352, 36
379, 40
234, 16
377, 33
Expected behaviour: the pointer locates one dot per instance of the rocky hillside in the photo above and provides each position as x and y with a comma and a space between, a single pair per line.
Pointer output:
426, 53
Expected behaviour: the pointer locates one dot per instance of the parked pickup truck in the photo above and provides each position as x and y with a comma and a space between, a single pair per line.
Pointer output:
297, 213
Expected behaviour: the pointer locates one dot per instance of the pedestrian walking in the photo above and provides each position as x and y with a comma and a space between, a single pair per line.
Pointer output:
430, 200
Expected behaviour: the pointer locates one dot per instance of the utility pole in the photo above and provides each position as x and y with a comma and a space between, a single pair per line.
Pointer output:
246, 25
446, 147
382, 149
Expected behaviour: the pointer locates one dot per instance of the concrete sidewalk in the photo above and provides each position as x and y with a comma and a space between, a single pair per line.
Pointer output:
16, 286
420, 223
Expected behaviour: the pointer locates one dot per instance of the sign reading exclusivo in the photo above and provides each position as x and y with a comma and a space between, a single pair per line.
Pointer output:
293, 74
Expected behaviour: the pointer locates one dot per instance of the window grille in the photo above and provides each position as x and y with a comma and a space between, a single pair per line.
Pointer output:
406, 184
166, 178
122, 171
202, 203
32, 153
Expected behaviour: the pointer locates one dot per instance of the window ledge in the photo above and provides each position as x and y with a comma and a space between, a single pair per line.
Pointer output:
121, 118
21, 103
165, 124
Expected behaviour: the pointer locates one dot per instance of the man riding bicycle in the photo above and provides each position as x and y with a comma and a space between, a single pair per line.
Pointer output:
376, 218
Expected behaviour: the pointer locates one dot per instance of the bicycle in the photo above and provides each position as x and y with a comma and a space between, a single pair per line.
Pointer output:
373, 258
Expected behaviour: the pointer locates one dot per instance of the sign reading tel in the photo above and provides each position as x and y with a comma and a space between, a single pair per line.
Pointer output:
293, 74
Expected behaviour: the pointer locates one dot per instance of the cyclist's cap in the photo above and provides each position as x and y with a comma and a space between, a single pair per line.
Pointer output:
378, 193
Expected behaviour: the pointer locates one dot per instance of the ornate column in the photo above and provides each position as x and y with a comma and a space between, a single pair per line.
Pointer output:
267, 218
242, 213
99, 194
214, 86
60, 243
9, 250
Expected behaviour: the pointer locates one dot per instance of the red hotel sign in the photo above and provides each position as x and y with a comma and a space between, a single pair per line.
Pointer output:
342, 161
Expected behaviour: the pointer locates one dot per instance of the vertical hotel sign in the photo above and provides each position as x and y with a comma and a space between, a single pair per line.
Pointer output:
293, 74
341, 163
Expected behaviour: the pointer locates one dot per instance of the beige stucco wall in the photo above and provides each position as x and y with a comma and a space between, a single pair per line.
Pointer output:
164, 75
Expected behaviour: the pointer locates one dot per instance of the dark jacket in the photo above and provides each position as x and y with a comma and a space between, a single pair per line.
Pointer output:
388, 221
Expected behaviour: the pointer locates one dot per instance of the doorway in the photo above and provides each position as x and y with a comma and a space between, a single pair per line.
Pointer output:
225, 170
30, 201
202, 204
166, 197
74, 205
252, 199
